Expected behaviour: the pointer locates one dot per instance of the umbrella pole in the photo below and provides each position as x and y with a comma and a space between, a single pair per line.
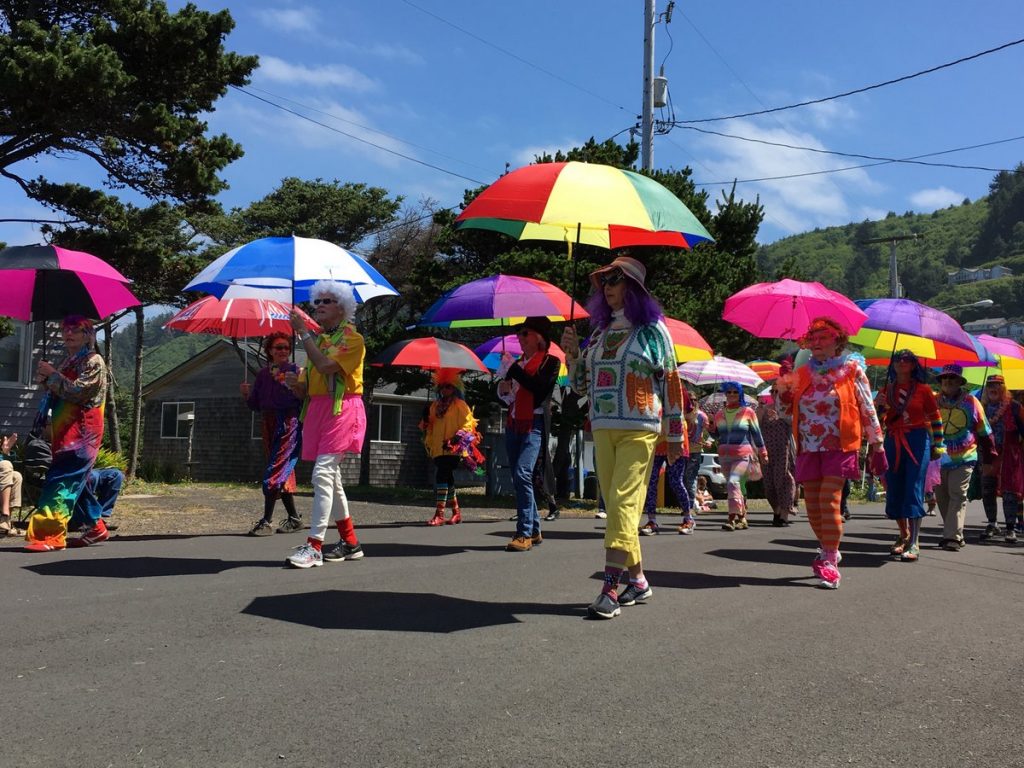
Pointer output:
572, 258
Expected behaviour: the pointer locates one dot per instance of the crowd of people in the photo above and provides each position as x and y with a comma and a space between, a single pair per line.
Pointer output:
815, 433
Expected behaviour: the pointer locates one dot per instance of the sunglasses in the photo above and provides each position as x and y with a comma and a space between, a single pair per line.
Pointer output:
612, 278
282, 348
318, 302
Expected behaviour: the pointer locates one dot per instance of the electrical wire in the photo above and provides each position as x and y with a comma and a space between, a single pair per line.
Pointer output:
515, 56
864, 89
359, 138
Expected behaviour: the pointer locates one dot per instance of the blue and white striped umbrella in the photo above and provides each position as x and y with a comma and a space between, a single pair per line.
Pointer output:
292, 263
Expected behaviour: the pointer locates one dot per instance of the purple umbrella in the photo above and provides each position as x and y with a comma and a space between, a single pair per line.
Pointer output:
906, 318
499, 300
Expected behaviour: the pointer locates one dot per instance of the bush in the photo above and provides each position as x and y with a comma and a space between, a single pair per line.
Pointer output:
106, 459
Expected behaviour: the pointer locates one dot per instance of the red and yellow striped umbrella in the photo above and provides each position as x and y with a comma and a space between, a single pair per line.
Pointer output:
688, 343
766, 369
584, 203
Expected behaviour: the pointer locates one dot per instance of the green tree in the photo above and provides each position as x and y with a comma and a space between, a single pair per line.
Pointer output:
123, 82
998, 237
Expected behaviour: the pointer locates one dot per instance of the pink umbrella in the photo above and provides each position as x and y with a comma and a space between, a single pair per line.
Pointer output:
1002, 347
237, 317
785, 309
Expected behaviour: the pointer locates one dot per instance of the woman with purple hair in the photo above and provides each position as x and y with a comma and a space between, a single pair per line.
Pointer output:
628, 372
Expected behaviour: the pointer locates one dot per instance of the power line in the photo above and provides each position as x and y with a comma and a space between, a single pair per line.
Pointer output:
854, 167
512, 55
368, 128
866, 88
854, 154
358, 138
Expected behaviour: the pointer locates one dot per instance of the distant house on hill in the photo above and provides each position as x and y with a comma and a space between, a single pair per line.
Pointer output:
201, 397
966, 275
1013, 329
989, 325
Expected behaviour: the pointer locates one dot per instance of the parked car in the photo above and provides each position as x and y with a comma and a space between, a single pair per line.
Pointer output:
712, 470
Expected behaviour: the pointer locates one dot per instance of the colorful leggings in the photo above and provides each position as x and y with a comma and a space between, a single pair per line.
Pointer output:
735, 469
675, 478
824, 513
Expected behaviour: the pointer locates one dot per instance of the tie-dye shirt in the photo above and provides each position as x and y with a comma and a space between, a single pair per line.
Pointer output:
963, 423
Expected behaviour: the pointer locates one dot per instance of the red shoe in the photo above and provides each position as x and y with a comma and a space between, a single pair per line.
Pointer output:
456, 517
94, 535
40, 546
438, 518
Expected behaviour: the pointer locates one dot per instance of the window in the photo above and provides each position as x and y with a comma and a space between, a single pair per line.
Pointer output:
389, 424
256, 426
13, 351
172, 426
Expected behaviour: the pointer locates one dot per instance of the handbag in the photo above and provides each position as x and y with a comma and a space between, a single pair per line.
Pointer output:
755, 472
878, 465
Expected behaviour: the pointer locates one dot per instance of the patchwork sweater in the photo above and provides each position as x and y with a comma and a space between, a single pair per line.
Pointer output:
629, 375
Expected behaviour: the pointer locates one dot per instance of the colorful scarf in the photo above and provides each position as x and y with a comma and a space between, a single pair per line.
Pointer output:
520, 416
335, 383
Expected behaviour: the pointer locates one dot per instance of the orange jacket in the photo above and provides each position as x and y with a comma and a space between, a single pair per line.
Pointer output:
849, 413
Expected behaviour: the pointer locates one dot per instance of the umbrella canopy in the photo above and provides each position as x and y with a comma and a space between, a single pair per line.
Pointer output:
499, 300
429, 353
490, 353
1001, 346
953, 354
766, 369
785, 309
1010, 368
47, 282
689, 344
904, 324
718, 369
237, 317
586, 203
294, 263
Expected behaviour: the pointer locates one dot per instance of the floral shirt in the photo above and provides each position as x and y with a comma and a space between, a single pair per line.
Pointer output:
819, 406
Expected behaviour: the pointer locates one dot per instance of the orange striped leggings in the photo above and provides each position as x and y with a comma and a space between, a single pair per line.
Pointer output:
823, 510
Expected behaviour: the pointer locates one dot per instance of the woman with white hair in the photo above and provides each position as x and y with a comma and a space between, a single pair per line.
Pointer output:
333, 417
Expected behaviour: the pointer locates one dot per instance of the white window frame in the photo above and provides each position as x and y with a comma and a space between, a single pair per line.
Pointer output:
177, 418
378, 421
256, 426
23, 333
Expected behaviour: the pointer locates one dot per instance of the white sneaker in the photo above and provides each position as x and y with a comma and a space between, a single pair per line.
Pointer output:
306, 556
600, 514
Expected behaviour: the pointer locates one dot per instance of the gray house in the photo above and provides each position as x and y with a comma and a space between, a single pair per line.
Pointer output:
19, 396
196, 422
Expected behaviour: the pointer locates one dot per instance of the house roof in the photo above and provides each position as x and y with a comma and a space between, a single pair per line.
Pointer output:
985, 322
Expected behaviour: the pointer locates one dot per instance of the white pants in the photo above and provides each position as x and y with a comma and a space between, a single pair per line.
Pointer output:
329, 498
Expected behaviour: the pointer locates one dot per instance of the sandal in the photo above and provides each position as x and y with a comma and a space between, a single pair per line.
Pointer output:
911, 554
897, 549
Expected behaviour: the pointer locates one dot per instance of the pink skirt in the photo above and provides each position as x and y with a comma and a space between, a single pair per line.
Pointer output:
323, 433
815, 465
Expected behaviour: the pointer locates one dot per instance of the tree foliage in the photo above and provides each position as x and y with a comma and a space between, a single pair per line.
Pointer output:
123, 82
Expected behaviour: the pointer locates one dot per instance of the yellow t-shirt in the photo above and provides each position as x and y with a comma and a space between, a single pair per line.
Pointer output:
346, 347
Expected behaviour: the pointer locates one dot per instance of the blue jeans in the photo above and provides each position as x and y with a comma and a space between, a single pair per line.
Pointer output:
523, 450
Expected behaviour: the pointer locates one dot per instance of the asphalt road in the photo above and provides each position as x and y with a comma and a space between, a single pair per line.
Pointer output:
441, 649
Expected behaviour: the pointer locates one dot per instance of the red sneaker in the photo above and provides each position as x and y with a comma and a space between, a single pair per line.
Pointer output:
40, 546
94, 535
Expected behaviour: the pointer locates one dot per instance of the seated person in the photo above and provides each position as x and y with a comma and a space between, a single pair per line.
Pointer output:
10, 484
705, 502
105, 485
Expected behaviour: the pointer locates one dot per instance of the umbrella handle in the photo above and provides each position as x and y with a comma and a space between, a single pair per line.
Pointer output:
572, 294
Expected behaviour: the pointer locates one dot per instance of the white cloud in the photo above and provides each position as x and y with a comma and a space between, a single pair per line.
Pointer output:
871, 214
332, 75
300, 19
528, 155
385, 51
933, 199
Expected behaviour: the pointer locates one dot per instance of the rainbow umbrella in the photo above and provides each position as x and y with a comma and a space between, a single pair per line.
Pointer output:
985, 357
429, 353
894, 324
499, 300
583, 203
688, 343
491, 350
766, 369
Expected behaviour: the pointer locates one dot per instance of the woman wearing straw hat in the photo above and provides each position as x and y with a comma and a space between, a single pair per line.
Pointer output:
629, 375
965, 432
1004, 474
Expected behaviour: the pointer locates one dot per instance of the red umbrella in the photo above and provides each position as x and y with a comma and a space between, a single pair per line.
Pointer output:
430, 353
237, 318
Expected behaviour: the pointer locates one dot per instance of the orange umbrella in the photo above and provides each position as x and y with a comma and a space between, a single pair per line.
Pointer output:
766, 369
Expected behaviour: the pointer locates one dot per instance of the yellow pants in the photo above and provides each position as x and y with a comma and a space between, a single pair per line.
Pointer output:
623, 459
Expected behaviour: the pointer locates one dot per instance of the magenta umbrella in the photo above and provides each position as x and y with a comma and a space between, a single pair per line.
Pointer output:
47, 282
1001, 346
785, 309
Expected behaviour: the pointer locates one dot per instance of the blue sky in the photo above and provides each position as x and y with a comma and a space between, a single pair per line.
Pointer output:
399, 77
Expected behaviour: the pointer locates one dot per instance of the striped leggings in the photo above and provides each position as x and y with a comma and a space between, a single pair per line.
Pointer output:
824, 513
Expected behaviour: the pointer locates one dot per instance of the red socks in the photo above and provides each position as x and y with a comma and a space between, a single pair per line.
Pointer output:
347, 531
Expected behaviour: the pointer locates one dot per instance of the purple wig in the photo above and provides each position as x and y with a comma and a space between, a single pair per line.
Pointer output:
639, 307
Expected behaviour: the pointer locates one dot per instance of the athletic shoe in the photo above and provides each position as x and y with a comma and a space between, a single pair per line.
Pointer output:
632, 594
40, 546
262, 528
742, 524
829, 575
911, 554
1010, 537
305, 556
990, 532
290, 525
553, 515
687, 527
95, 535
600, 514
342, 551
605, 607
649, 529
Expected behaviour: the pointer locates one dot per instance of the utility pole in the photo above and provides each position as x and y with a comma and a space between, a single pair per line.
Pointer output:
894, 280
647, 117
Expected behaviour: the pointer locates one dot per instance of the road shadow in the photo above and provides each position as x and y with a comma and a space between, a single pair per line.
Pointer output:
848, 545
689, 580
144, 567
396, 549
551, 534
800, 558
398, 611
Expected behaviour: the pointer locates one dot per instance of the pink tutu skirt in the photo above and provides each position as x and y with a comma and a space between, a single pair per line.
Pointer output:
323, 432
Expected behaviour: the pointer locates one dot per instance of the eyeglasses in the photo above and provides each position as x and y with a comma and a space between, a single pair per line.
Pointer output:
281, 348
612, 278
318, 302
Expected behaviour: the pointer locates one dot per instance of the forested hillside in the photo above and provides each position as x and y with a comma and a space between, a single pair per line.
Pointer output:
985, 232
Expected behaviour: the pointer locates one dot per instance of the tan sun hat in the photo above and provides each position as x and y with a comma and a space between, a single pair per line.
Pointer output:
629, 266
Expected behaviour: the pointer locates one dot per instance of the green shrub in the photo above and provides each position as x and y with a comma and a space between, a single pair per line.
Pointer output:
106, 459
